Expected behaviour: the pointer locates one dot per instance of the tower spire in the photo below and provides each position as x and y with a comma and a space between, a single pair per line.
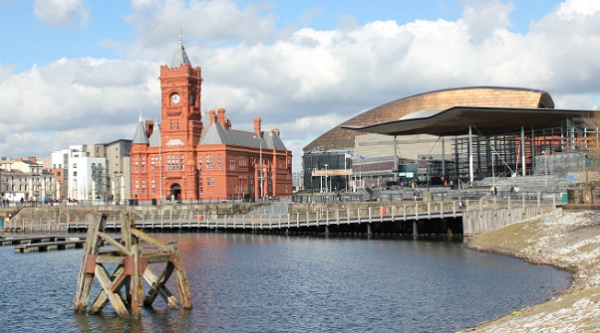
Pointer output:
180, 57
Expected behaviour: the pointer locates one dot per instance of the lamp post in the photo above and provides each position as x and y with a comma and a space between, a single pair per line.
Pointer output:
260, 175
160, 163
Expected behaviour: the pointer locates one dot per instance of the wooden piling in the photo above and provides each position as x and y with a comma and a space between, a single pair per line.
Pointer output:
132, 270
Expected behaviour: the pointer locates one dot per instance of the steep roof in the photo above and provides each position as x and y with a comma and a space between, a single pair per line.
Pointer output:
180, 57
274, 141
140, 133
154, 139
216, 134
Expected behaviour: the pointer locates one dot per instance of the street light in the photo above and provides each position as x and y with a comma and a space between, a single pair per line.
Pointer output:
160, 164
260, 176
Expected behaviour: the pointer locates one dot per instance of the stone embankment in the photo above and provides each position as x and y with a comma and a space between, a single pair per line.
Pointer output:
568, 240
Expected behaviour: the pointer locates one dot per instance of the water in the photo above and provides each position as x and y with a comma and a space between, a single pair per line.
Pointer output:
261, 283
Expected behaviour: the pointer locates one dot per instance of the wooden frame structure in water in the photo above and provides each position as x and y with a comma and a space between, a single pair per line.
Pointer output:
132, 268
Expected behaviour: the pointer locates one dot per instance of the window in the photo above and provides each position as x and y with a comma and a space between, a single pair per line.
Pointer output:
218, 161
210, 163
199, 162
200, 188
153, 184
181, 162
175, 162
243, 160
143, 164
143, 187
231, 162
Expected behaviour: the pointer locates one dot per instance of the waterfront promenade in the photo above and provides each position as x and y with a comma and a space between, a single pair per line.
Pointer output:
429, 214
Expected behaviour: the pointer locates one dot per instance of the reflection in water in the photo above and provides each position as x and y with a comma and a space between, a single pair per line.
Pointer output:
262, 283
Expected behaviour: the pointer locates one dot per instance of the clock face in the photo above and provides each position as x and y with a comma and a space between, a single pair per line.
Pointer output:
175, 98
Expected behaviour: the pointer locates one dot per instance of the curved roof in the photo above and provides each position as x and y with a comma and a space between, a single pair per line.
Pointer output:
486, 120
340, 138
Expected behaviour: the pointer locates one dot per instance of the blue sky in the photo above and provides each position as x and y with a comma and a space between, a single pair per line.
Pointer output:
28, 40
80, 70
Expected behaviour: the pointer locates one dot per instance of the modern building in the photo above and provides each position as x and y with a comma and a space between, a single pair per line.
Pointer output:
188, 159
93, 171
463, 134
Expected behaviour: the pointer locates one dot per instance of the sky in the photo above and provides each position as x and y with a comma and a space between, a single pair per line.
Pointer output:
80, 71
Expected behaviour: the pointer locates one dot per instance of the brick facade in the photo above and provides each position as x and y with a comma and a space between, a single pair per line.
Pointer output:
181, 158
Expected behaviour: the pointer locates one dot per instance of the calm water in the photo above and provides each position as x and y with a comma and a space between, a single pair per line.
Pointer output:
259, 283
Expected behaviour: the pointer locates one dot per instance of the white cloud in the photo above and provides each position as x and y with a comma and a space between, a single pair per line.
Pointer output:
484, 18
307, 81
88, 100
61, 13
575, 9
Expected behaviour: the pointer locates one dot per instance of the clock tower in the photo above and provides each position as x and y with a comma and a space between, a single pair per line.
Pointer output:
180, 85
181, 159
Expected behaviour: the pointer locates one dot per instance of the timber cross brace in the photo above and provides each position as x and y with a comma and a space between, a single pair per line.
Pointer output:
132, 268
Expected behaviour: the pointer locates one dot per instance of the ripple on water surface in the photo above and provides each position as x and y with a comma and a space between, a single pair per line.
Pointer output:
260, 283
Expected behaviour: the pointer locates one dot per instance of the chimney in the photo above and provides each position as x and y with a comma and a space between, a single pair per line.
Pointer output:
211, 116
19, 159
149, 127
221, 117
257, 126
32, 159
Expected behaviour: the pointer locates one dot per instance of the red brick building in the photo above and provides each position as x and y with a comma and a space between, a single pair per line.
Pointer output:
181, 158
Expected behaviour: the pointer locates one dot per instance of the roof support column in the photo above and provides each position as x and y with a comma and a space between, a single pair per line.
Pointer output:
533, 146
395, 160
523, 151
570, 134
443, 159
470, 155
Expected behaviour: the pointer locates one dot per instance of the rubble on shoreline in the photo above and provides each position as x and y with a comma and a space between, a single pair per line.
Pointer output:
564, 239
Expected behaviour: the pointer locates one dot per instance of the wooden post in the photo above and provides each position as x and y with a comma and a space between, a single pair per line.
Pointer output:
87, 271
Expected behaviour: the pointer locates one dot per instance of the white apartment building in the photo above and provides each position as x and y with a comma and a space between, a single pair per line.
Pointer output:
93, 172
